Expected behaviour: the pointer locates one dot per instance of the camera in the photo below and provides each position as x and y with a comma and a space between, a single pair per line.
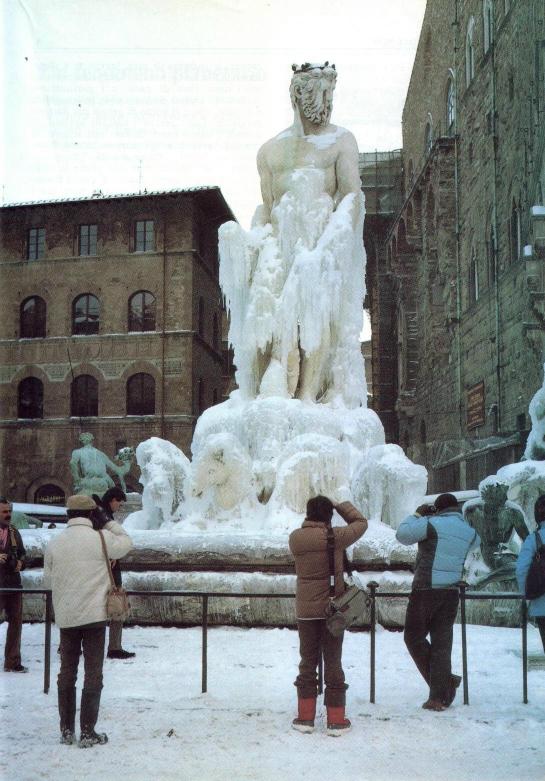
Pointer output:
426, 509
99, 519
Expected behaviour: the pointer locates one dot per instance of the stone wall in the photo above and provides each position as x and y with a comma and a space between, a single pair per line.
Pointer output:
180, 271
468, 296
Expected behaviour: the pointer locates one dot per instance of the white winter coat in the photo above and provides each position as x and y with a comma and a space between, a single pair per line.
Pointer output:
75, 570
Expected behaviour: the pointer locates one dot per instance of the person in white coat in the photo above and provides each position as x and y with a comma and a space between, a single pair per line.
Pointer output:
75, 569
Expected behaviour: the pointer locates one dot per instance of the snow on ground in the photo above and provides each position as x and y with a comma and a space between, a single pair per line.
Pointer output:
161, 727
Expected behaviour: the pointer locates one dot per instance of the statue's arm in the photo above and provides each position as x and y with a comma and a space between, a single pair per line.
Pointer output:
347, 167
74, 466
265, 178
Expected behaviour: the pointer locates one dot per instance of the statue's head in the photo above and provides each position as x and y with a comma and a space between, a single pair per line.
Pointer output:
86, 438
311, 90
494, 493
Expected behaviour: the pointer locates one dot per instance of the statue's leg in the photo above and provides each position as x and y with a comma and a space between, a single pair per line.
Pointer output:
312, 370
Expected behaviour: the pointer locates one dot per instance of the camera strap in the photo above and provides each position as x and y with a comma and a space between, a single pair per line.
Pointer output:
331, 559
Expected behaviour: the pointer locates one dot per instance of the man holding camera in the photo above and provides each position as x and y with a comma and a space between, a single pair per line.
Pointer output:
12, 556
444, 540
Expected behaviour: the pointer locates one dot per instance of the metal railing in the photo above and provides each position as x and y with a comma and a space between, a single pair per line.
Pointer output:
464, 596
374, 594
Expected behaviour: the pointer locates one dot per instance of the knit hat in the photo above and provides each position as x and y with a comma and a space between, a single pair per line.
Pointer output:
80, 502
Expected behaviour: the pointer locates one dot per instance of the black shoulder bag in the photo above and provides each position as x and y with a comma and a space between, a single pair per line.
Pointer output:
342, 611
535, 579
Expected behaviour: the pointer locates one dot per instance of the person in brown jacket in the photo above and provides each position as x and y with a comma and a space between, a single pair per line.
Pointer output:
309, 547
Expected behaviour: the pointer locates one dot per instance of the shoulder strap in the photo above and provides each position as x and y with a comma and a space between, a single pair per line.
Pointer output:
331, 558
12, 537
107, 559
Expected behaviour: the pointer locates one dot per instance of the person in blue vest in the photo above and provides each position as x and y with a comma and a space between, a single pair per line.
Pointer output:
527, 552
444, 540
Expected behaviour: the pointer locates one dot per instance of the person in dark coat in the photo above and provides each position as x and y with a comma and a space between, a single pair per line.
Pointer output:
12, 557
527, 552
444, 540
110, 504
310, 550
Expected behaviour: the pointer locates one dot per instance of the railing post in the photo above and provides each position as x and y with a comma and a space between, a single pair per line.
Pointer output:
47, 653
372, 586
463, 586
524, 622
204, 668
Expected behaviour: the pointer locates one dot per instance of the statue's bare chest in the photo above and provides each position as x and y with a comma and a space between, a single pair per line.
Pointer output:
291, 153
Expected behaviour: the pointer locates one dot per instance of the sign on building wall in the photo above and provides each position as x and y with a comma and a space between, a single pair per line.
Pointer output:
475, 406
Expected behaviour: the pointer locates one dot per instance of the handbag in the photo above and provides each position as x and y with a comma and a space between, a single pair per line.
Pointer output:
117, 600
535, 579
342, 611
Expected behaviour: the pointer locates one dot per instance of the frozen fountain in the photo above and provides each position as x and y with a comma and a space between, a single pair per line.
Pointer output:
298, 424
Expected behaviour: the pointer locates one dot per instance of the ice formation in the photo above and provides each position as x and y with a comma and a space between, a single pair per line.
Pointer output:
165, 475
286, 285
386, 483
294, 287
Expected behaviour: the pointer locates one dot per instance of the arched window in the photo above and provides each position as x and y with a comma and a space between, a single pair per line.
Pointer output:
423, 433
85, 314
470, 52
30, 398
50, 494
32, 315
428, 136
142, 311
488, 24
473, 277
450, 105
141, 394
515, 232
84, 397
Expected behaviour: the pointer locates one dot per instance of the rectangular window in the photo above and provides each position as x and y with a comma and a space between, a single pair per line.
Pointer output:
88, 239
144, 239
36, 243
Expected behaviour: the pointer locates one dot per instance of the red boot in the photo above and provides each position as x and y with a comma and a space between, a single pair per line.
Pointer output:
337, 723
306, 713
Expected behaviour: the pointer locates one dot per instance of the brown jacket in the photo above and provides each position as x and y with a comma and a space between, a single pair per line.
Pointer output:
309, 547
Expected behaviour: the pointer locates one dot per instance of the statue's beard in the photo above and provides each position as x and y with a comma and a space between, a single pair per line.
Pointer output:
317, 106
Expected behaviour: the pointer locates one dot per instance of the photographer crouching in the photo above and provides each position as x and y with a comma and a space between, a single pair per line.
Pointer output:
444, 540
12, 556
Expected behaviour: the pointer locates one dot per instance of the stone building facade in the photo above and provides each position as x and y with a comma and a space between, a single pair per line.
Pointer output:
111, 323
462, 262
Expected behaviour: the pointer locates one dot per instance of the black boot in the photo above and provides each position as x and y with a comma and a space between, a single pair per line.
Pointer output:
90, 702
67, 714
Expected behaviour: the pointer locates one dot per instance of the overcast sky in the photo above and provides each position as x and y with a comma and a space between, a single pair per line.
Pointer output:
118, 95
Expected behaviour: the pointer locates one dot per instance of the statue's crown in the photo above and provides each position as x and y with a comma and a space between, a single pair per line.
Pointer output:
310, 66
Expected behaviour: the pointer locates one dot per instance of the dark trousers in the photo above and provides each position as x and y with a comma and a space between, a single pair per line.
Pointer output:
540, 621
13, 606
433, 612
313, 640
74, 641
114, 635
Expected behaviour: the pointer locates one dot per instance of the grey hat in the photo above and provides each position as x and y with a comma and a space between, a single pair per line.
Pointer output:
80, 502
